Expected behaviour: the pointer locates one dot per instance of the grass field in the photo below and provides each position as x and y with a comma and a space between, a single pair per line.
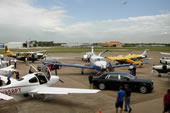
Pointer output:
80, 50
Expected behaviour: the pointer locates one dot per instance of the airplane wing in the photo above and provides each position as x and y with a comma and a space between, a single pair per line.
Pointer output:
3, 78
164, 53
53, 90
116, 58
122, 65
5, 70
72, 65
5, 97
59, 58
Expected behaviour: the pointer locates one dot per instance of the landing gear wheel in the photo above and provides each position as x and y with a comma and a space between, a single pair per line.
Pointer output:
26, 95
143, 89
102, 86
159, 75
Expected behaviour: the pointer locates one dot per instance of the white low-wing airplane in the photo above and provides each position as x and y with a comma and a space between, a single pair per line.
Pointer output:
37, 83
6, 70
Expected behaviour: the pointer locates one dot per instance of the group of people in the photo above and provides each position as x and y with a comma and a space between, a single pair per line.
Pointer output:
123, 95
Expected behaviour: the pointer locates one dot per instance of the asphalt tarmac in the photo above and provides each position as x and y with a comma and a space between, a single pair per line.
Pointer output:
90, 103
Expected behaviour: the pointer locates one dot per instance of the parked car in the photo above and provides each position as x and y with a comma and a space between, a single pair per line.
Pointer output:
113, 80
165, 60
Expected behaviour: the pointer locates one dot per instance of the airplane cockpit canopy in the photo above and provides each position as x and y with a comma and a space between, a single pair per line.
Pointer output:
45, 70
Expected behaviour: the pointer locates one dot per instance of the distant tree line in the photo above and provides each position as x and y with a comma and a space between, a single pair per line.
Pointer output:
145, 44
35, 43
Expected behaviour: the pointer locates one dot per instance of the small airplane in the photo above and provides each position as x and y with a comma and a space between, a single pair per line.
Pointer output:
165, 60
31, 56
97, 62
6, 70
87, 55
131, 58
165, 68
38, 82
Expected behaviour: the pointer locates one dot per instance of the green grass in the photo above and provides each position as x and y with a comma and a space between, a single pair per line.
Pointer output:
80, 50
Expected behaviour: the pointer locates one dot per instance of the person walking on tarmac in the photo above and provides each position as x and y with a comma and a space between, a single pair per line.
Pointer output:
15, 63
166, 102
119, 99
90, 79
127, 99
131, 69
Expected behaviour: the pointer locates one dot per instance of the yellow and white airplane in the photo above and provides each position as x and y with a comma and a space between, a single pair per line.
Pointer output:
131, 58
31, 56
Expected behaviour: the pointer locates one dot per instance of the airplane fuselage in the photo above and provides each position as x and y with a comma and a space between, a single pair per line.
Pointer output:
27, 84
98, 61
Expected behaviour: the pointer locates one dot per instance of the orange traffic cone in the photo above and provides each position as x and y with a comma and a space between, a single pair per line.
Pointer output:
100, 109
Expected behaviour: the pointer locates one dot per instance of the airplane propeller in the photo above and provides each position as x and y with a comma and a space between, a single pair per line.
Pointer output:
61, 81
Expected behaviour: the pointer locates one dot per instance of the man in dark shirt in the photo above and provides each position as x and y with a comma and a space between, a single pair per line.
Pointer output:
9, 81
127, 99
166, 101
1, 82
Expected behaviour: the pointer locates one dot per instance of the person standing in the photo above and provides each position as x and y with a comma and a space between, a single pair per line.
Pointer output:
26, 61
9, 62
15, 63
166, 102
90, 79
127, 99
131, 69
1, 82
134, 69
119, 99
9, 81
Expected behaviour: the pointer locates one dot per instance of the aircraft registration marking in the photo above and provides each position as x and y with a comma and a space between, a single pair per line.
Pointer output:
11, 91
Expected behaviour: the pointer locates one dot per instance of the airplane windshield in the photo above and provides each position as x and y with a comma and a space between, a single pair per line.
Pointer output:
100, 59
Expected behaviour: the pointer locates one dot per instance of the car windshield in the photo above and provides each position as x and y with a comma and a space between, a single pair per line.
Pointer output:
130, 76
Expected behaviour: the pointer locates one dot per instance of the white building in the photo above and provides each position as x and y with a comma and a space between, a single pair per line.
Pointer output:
17, 45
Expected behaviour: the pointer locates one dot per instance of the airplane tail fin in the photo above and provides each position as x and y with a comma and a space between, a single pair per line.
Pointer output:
92, 50
145, 53
8, 52
101, 53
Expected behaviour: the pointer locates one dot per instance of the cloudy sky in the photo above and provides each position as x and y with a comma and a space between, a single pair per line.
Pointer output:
75, 21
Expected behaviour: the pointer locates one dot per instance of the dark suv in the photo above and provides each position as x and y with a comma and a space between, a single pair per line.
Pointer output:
113, 80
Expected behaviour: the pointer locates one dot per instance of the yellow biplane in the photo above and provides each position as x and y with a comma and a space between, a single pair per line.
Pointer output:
131, 58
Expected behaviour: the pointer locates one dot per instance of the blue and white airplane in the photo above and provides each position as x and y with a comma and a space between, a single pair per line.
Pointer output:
97, 62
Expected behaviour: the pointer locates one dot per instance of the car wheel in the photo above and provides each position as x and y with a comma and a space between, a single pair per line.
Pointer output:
143, 89
102, 86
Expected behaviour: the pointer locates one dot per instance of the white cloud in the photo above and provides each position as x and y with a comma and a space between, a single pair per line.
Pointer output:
20, 18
